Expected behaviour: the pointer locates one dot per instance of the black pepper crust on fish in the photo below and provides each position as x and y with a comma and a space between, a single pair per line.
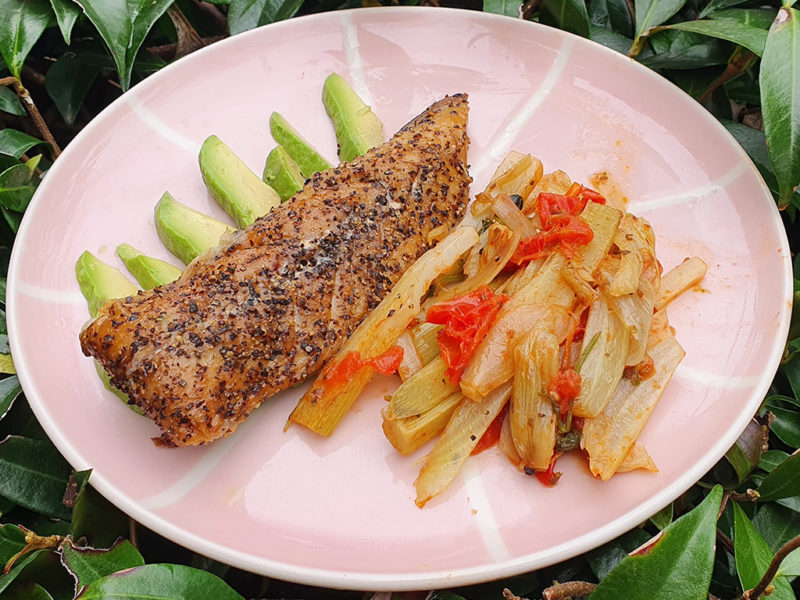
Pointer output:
275, 301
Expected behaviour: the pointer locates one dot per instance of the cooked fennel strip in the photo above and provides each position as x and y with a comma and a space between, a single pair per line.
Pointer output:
422, 391
637, 458
411, 433
609, 437
411, 362
636, 309
532, 416
499, 248
323, 406
604, 350
469, 422
493, 361
673, 283
425, 341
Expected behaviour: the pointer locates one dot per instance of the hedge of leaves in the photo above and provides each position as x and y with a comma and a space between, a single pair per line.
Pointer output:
733, 535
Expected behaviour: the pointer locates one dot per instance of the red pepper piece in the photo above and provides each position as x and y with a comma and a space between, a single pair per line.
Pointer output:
341, 373
567, 232
549, 477
466, 319
492, 434
566, 385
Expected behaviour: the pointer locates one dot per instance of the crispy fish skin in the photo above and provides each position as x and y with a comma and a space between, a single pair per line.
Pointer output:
272, 304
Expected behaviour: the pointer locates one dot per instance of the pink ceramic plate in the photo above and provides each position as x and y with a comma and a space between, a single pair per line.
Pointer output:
339, 512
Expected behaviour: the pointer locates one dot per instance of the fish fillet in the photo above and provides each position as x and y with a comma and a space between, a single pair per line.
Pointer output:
275, 301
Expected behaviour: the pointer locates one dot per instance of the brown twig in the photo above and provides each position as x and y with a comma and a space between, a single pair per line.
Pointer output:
529, 8
563, 591
213, 13
132, 534
509, 595
724, 540
34, 113
748, 496
188, 38
737, 65
772, 570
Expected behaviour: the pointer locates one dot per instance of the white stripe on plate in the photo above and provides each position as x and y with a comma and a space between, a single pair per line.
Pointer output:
698, 193
484, 517
162, 128
353, 56
724, 382
198, 473
501, 144
47, 295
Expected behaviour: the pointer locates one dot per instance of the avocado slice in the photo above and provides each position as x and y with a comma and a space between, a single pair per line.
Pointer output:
239, 191
186, 232
358, 129
308, 159
149, 272
100, 282
283, 174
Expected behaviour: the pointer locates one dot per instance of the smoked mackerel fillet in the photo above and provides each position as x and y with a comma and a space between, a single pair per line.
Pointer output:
278, 299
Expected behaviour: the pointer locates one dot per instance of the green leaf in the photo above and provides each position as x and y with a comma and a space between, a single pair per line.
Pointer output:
88, 565
34, 475
603, 559
613, 15
123, 25
786, 424
160, 582
29, 590
776, 524
610, 39
716, 5
244, 15
651, 13
745, 27
9, 390
509, 8
16, 143
783, 482
780, 99
676, 567
67, 12
96, 519
23, 23
16, 191
755, 144
663, 517
790, 567
753, 556
12, 540
68, 81
9, 102
771, 459
19, 566
745, 454
569, 15
685, 50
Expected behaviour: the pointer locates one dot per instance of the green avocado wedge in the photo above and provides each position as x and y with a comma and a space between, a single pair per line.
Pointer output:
283, 174
303, 153
186, 232
358, 129
239, 191
149, 272
100, 282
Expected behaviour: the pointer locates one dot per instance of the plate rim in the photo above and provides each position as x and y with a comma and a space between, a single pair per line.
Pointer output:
356, 580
